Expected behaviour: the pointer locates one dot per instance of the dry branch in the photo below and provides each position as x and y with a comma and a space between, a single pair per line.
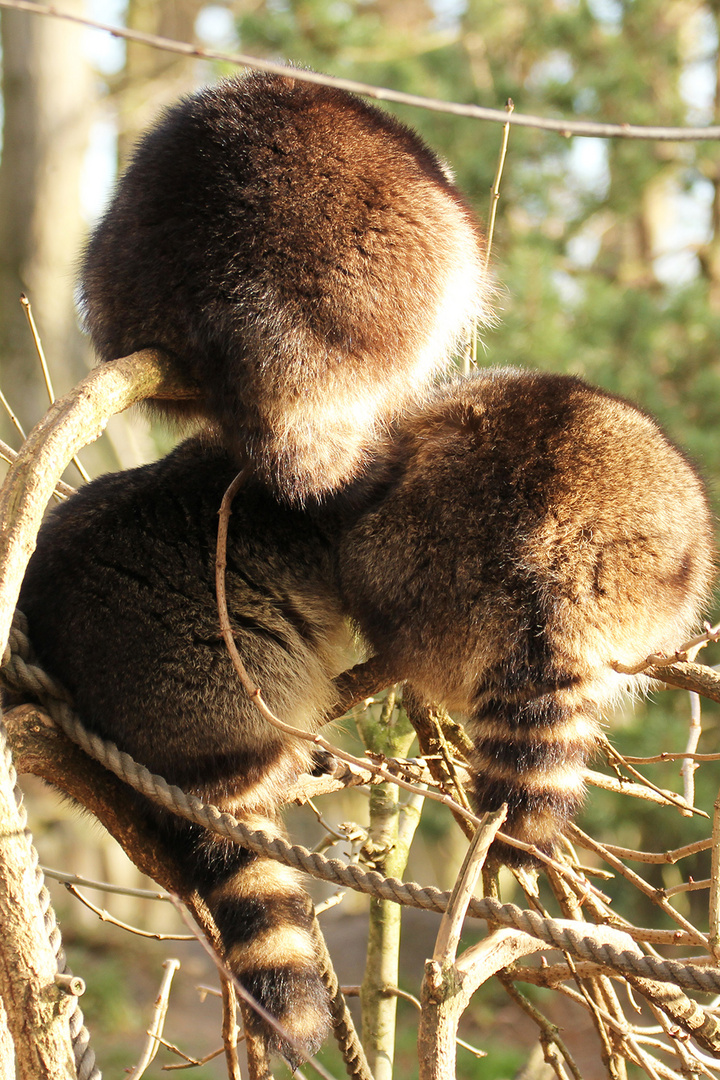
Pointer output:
72, 422
449, 984
158, 1021
37, 1010
588, 128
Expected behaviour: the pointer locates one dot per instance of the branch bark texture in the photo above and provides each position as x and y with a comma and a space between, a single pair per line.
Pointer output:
36, 1009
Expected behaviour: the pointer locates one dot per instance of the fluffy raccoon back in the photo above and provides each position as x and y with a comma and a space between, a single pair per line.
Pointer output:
540, 531
300, 254
120, 601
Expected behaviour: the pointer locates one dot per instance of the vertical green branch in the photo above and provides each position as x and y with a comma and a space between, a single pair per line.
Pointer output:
392, 826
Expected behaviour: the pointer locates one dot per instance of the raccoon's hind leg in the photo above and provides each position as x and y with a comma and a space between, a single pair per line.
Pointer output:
533, 731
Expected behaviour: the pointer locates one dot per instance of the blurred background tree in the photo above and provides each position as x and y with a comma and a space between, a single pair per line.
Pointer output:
607, 253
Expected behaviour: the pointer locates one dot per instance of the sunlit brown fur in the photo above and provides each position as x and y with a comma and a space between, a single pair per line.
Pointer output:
537, 532
300, 254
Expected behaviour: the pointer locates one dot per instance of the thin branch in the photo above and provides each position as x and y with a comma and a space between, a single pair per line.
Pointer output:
687, 886
655, 895
188, 1062
700, 678
230, 1028
105, 916
694, 732
46, 372
668, 755
686, 652
448, 937
669, 796
13, 418
26, 306
714, 899
104, 886
160, 1012
495, 190
587, 128
652, 793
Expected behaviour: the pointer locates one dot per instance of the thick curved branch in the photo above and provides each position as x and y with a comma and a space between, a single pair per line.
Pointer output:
72, 422
699, 678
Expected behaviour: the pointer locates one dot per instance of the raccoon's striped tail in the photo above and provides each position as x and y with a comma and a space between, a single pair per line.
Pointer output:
267, 927
531, 746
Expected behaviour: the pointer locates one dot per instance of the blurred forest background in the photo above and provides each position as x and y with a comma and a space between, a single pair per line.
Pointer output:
606, 253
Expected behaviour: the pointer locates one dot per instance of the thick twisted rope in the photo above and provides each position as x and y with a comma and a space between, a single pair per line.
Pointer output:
343, 1027
21, 674
84, 1057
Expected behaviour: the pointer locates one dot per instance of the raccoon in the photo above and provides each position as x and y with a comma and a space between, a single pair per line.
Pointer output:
299, 254
120, 601
537, 532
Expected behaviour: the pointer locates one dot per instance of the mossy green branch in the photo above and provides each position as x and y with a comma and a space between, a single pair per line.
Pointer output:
392, 826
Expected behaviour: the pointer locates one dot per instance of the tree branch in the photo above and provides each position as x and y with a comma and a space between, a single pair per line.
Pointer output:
37, 1010
589, 128
72, 422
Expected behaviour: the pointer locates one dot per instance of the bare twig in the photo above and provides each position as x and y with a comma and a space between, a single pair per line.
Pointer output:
188, 1062
714, 899
104, 916
158, 1022
230, 1028
495, 190
13, 418
448, 937
668, 755
660, 856
437, 735
687, 886
651, 793
700, 678
655, 895
104, 886
686, 653
616, 758
588, 128
46, 372
689, 765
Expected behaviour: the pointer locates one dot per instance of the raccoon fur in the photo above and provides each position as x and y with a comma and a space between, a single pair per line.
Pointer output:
120, 601
536, 533
299, 254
